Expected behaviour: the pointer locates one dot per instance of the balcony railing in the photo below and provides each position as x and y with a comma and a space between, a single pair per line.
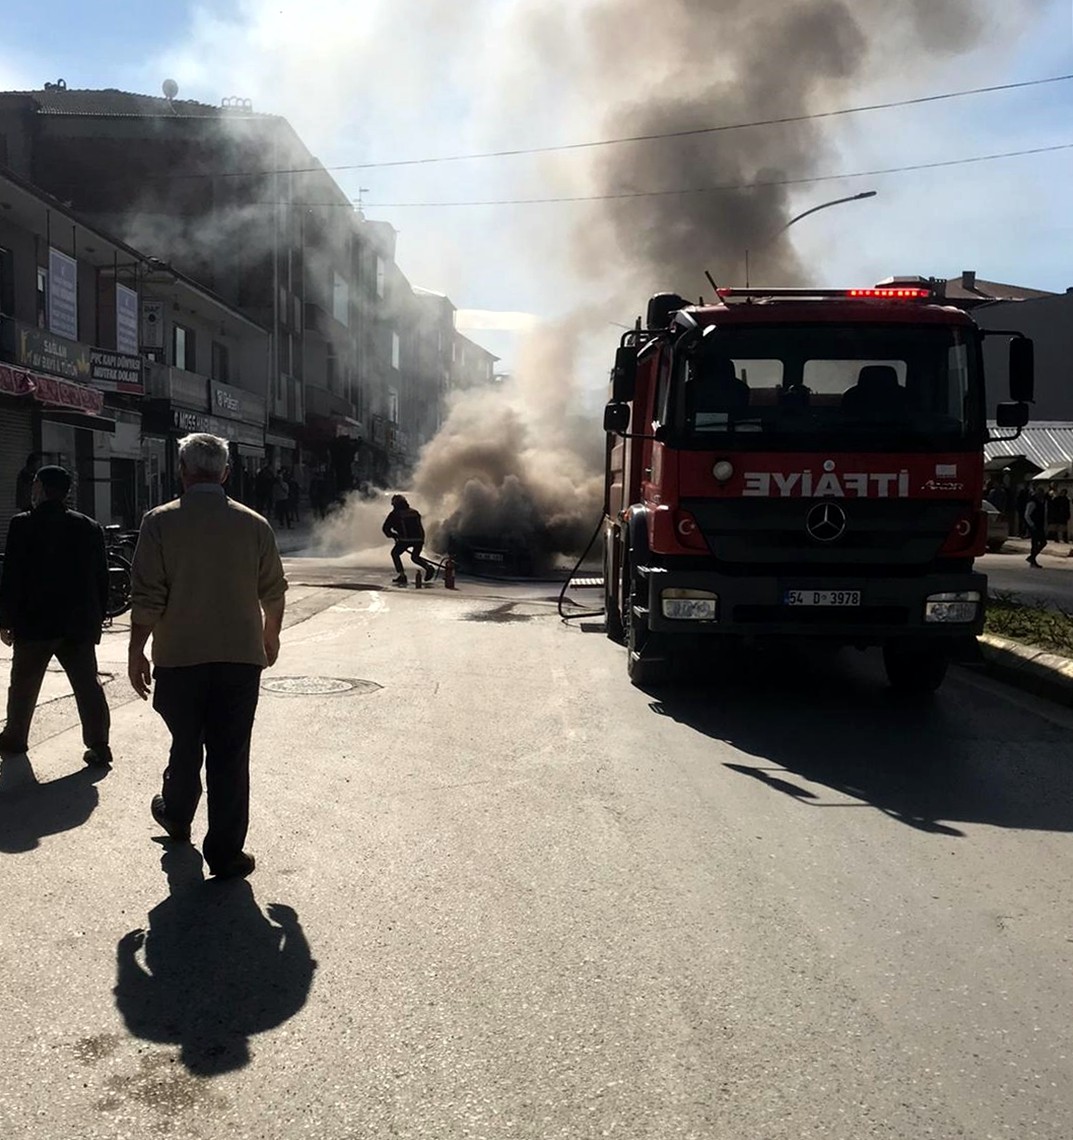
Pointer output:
163, 382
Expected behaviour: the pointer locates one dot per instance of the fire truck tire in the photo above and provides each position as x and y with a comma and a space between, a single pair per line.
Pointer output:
915, 668
644, 669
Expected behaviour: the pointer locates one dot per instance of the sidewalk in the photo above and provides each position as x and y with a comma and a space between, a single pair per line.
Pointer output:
1052, 549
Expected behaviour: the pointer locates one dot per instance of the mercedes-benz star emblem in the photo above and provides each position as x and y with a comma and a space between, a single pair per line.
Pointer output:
826, 522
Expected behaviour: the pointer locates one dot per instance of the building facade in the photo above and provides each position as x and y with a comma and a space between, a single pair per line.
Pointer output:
90, 332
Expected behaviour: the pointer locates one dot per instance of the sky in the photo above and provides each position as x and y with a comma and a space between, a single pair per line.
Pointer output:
380, 80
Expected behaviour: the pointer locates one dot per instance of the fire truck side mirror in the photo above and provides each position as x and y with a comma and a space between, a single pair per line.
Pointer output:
1011, 415
1022, 370
616, 417
624, 377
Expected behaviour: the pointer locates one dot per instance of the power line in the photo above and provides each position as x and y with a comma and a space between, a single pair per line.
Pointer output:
652, 137
723, 186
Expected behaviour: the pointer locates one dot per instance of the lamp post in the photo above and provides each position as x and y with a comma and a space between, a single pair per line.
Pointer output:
822, 206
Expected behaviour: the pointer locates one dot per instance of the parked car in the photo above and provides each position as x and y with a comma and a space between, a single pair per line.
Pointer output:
998, 526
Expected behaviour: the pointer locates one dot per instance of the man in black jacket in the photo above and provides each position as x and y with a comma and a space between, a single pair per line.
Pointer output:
53, 595
404, 526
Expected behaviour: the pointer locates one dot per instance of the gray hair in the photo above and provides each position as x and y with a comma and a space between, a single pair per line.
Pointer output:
204, 456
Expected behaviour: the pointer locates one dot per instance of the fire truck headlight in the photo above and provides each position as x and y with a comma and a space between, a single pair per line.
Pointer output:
723, 471
957, 606
690, 605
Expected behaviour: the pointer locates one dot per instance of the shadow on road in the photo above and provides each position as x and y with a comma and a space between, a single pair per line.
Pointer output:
212, 969
964, 756
30, 810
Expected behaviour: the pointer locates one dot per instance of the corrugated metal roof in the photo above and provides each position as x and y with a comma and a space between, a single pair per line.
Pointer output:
991, 291
113, 103
1045, 444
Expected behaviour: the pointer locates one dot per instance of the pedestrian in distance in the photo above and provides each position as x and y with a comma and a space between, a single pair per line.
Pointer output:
24, 482
1036, 522
263, 483
1021, 502
403, 524
281, 494
53, 596
1060, 511
208, 587
294, 496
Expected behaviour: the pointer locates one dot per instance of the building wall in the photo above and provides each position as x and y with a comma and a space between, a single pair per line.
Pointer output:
1049, 322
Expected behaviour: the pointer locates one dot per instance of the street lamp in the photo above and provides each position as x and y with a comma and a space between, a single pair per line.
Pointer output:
822, 206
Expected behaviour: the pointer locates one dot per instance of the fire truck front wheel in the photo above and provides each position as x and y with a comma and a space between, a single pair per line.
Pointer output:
645, 664
914, 667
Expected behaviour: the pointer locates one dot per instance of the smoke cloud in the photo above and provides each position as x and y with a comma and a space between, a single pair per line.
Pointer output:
526, 456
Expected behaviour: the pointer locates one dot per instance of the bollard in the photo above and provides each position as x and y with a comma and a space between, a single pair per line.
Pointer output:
449, 573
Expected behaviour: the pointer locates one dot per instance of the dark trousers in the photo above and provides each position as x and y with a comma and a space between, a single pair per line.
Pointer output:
1038, 540
209, 710
415, 556
79, 660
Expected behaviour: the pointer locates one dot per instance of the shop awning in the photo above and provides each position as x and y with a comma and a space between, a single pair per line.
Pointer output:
78, 419
51, 390
1055, 471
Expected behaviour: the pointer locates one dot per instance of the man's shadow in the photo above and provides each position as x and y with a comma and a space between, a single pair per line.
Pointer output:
30, 810
211, 969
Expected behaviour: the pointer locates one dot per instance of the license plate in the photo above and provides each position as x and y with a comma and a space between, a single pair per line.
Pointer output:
822, 597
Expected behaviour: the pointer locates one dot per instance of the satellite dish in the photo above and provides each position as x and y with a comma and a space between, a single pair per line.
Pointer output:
170, 88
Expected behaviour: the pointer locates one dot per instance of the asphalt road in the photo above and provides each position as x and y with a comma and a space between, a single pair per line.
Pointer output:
1053, 583
501, 893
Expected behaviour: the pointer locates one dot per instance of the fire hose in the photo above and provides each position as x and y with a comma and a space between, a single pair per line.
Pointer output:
570, 578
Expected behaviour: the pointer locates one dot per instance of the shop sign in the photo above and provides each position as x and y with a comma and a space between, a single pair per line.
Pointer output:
47, 352
50, 390
236, 404
152, 324
116, 372
186, 422
126, 320
62, 294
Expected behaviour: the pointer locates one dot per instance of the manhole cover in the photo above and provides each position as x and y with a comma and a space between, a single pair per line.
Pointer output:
317, 686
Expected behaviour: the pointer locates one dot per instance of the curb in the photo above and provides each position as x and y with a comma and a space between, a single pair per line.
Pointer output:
1047, 675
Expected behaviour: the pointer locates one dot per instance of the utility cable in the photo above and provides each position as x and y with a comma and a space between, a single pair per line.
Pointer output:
780, 120
721, 186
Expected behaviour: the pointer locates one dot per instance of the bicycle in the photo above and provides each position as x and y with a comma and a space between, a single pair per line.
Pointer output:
119, 546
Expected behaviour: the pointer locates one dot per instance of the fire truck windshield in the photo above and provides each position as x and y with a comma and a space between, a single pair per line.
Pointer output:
892, 387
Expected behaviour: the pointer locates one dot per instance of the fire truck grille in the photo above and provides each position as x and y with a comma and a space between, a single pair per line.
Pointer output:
877, 532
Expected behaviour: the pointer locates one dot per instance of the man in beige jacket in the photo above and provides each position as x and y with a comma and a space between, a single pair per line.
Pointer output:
208, 586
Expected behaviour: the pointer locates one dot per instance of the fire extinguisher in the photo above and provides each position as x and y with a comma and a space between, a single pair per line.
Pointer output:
449, 573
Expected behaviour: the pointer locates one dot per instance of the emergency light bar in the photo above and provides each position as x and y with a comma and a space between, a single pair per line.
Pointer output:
897, 294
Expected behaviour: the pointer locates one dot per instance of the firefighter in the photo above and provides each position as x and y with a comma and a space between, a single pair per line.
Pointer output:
404, 526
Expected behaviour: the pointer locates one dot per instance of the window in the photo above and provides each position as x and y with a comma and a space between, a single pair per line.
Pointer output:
221, 362
297, 322
7, 282
182, 348
874, 386
42, 298
331, 370
393, 405
340, 300
381, 273
395, 350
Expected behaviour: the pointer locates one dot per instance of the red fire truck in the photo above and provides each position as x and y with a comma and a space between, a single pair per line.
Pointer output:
802, 463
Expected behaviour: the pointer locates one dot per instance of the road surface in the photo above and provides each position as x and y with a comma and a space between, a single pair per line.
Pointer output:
1053, 584
501, 893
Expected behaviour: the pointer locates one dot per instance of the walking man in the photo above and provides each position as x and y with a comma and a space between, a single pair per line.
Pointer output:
1059, 513
208, 585
24, 482
1036, 521
404, 526
53, 594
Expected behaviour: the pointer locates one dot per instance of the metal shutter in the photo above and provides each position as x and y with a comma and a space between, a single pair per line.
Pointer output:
16, 442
